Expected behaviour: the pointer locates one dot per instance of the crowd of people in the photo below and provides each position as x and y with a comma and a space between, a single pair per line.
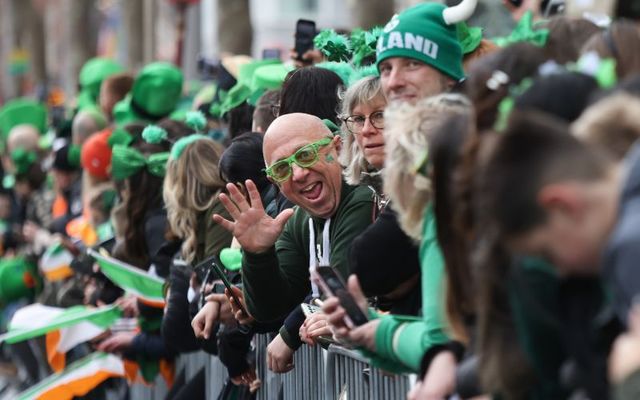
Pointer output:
478, 198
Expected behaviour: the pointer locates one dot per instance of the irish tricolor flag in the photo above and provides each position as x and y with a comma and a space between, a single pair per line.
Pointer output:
78, 379
55, 263
65, 328
149, 289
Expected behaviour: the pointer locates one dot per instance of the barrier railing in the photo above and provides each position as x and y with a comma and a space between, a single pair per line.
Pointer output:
336, 373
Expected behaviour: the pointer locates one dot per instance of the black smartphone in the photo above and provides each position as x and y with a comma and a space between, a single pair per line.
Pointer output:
628, 9
305, 32
549, 8
223, 277
333, 285
271, 54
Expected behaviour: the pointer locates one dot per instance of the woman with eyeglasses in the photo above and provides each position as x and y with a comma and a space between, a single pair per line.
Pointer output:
362, 154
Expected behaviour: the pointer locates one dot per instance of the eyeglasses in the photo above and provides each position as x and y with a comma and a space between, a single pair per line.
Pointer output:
355, 123
304, 157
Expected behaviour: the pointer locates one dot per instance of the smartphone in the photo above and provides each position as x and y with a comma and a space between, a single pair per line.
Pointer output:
305, 32
549, 8
223, 277
333, 285
628, 9
271, 54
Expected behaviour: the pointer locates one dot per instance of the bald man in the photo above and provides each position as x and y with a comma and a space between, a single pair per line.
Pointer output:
24, 136
276, 251
86, 123
301, 156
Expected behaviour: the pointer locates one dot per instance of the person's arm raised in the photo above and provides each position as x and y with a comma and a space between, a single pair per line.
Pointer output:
256, 231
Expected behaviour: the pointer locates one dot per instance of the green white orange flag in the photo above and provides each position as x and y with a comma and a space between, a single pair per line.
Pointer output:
78, 379
65, 328
148, 288
55, 263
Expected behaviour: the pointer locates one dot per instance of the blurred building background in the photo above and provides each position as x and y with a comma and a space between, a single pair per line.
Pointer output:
43, 43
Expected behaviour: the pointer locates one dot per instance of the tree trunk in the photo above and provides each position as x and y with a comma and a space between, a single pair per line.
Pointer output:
370, 13
133, 23
83, 33
36, 45
235, 33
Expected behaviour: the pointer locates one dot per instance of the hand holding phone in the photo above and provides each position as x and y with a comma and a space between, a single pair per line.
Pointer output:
333, 285
305, 33
223, 277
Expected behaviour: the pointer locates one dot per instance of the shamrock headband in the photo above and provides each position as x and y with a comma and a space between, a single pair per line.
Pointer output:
126, 162
358, 47
182, 143
155, 134
22, 160
524, 32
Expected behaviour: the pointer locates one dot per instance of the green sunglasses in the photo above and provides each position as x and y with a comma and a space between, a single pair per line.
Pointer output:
304, 157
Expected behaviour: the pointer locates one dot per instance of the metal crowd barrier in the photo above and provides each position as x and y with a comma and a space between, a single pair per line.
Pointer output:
334, 374
349, 375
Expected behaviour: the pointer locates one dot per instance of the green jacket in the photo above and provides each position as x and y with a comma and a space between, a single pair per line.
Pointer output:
277, 281
402, 341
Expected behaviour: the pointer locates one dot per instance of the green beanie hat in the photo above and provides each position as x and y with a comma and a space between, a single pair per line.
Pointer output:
22, 111
425, 34
92, 74
155, 94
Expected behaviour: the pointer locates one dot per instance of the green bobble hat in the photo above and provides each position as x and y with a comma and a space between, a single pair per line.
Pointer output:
155, 94
427, 33
19, 112
92, 74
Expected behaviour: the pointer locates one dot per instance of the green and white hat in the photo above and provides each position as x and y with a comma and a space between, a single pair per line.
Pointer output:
427, 32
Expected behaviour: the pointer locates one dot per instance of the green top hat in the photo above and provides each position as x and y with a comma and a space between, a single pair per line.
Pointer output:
22, 111
269, 77
247, 89
92, 74
155, 94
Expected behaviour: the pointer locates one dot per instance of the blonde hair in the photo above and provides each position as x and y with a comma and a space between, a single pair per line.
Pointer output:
407, 135
364, 91
191, 186
611, 123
